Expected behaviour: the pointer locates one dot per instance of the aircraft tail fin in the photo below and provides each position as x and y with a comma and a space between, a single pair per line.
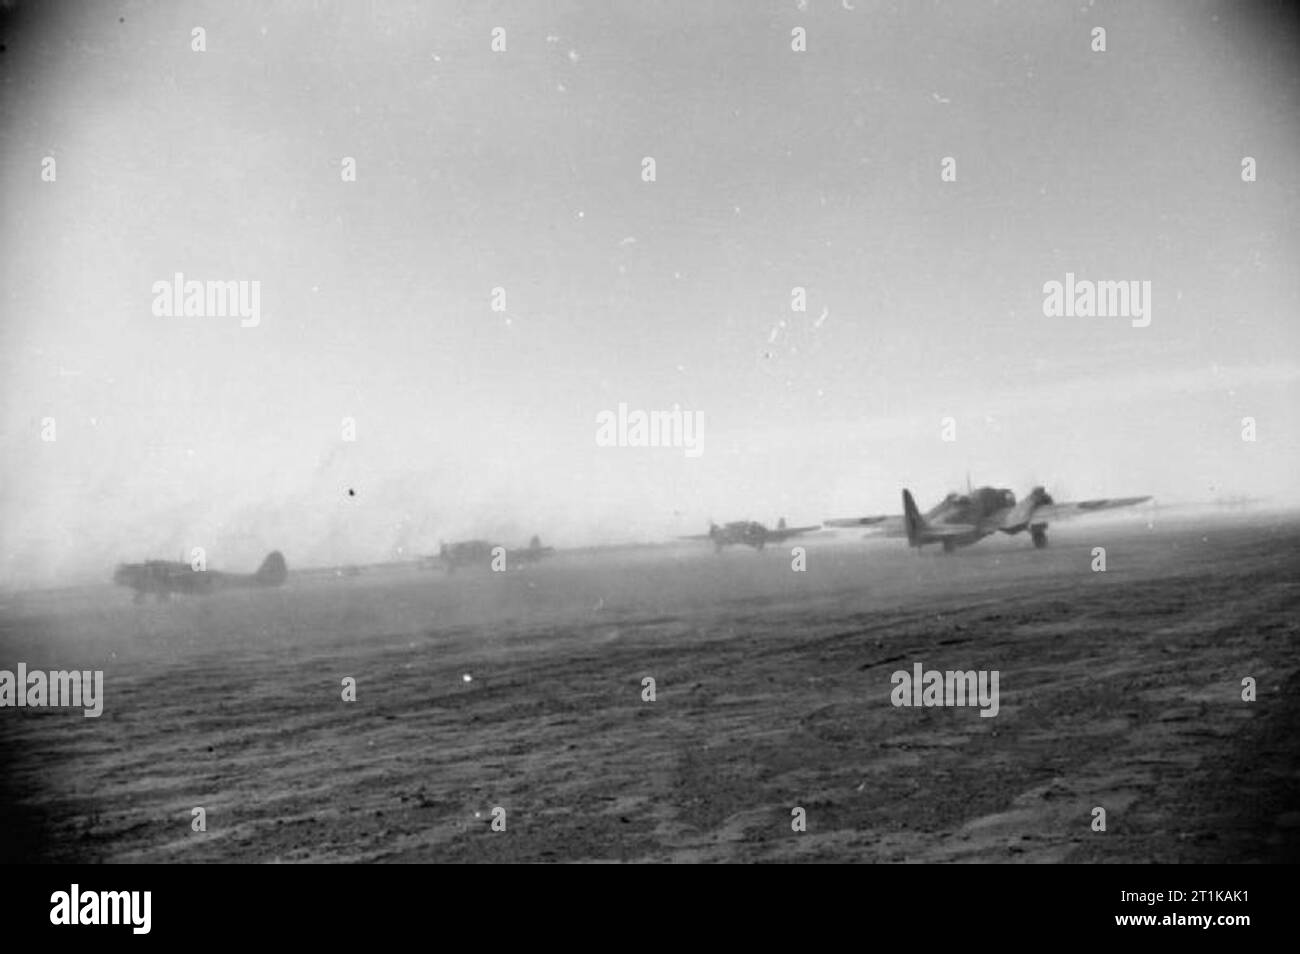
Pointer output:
912, 520
535, 543
780, 524
273, 570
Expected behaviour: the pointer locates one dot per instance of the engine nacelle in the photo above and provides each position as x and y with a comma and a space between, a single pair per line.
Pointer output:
1024, 511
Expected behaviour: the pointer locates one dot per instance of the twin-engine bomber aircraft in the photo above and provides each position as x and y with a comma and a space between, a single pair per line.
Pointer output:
471, 553
961, 520
748, 533
165, 577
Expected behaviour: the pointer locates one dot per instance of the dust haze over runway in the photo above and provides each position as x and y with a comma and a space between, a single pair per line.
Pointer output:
1119, 689
298, 296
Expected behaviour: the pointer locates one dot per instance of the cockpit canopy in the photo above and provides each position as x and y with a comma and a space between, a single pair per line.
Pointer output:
992, 498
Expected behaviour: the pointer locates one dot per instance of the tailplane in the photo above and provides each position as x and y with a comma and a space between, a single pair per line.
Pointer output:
912, 520
273, 571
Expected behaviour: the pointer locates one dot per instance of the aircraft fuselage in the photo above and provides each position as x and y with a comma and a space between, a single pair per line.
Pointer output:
484, 553
162, 578
748, 533
962, 519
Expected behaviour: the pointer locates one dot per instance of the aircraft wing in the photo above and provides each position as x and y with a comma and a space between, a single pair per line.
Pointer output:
941, 530
779, 535
891, 525
1062, 511
857, 521
531, 554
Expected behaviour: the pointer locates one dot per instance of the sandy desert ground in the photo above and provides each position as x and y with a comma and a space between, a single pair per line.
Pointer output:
1119, 689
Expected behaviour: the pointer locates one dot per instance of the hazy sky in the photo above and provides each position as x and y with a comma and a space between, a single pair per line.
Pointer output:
523, 169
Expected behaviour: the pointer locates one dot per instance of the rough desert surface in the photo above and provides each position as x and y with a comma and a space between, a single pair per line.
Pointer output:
1120, 690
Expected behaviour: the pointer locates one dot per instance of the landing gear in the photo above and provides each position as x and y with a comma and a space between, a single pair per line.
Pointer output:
1039, 535
949, 546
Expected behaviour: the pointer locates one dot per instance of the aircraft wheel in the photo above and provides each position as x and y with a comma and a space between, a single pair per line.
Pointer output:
949, 546
1040, 538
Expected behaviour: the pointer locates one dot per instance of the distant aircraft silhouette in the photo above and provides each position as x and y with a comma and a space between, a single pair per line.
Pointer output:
749, 533
471, 553
162, 578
